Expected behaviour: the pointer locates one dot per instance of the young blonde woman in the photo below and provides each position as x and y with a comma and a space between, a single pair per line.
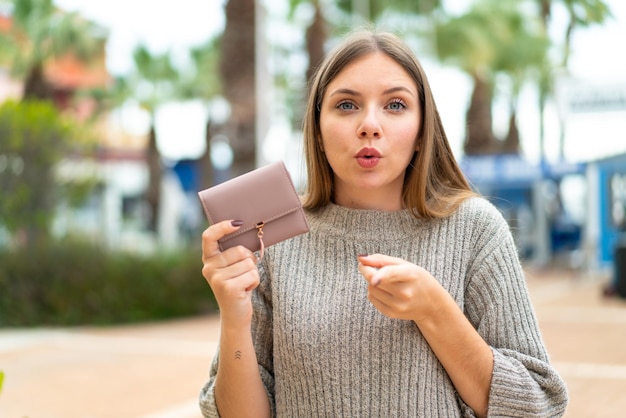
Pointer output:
405, 299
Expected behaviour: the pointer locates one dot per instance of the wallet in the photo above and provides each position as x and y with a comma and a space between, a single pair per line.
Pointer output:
265, 200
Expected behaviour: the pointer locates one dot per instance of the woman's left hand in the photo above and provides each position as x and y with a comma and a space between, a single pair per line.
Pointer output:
400, 289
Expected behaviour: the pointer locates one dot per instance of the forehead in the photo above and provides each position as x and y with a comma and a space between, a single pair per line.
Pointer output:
374, 66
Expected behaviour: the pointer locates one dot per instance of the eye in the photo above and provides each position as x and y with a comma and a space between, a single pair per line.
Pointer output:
397, 105
346, 105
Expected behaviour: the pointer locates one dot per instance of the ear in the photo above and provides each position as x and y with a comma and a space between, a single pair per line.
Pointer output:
418, 141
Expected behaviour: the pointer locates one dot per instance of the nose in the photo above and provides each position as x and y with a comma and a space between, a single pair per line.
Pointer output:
370, 125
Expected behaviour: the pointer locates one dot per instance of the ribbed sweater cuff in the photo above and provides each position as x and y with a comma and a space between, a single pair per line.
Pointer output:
207, 401
510, 394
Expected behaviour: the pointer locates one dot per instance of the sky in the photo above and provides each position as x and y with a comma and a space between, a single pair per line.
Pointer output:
177, 24
160, 24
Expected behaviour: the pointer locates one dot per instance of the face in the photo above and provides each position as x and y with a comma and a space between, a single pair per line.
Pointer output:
369, 121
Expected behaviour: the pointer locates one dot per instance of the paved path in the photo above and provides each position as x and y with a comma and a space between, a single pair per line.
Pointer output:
156, 370
586, 337
135, 371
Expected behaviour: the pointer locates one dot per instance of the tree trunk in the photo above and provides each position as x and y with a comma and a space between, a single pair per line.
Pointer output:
511, 143
316, 35
544, 83
480, 138
155, 175
206, 165
237, 68
546, 11
36, 86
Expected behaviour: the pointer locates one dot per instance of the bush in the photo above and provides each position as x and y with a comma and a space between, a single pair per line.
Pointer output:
74, 283
35, 137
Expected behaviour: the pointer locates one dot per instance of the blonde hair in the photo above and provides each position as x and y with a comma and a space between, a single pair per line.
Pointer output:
434, 185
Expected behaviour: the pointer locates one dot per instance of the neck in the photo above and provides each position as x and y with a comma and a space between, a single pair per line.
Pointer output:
370, 200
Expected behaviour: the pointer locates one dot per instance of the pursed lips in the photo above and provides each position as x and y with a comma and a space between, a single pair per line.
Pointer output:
368, 157
368, 152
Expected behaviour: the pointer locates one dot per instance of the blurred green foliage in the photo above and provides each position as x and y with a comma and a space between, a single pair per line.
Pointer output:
75, 283
35, 137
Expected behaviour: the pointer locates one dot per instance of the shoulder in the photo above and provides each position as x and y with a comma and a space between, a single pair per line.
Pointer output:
480, 218
480, 210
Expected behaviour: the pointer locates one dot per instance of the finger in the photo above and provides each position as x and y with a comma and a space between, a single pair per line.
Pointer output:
367, 272
235, 255
379, 268
381, 305
379, 260
242, 273
367, 267
394, 274
215, 232
373, 276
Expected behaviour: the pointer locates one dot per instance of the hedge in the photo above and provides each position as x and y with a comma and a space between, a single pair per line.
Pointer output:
74, 283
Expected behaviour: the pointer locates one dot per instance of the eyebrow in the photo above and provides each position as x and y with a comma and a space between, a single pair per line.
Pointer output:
356, 93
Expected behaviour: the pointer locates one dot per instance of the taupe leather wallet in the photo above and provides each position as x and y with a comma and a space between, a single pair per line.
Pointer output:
265, 200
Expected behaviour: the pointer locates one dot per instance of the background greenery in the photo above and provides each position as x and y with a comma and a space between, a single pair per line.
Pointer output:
73, 282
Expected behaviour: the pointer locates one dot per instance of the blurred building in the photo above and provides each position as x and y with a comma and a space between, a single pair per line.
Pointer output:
572, 211
607, 215
544, 220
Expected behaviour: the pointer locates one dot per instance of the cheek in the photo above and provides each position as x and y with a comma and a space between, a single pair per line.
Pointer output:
409, 137
333, 135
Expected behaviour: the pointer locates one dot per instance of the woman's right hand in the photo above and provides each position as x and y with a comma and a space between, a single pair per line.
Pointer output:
232, 274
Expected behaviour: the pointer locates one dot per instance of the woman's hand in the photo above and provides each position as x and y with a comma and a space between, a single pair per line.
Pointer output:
399, 289
232, 274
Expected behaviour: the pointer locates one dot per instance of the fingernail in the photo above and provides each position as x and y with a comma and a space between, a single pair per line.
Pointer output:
236, 222
362, 255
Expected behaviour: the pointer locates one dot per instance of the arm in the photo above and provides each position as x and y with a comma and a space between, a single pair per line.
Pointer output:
464, 354
495, 302
405, 291
498, 305
238, 389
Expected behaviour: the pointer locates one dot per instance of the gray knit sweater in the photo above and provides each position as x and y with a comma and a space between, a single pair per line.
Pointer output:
325, 351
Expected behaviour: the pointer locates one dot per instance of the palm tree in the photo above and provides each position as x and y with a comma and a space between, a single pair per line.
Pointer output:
238, 74
375, 10
203, 82
465, 42
152, 84
522, 56
40, 33
581, 13
316, 35
492, 37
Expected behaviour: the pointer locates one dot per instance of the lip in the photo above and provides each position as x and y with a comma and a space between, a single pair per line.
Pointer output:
366, 152
368, 157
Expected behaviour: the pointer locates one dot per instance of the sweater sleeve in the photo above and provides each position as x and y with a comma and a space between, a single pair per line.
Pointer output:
497, 302
262, 339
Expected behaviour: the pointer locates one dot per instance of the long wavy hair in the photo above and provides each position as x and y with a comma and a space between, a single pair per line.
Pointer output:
434, 185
